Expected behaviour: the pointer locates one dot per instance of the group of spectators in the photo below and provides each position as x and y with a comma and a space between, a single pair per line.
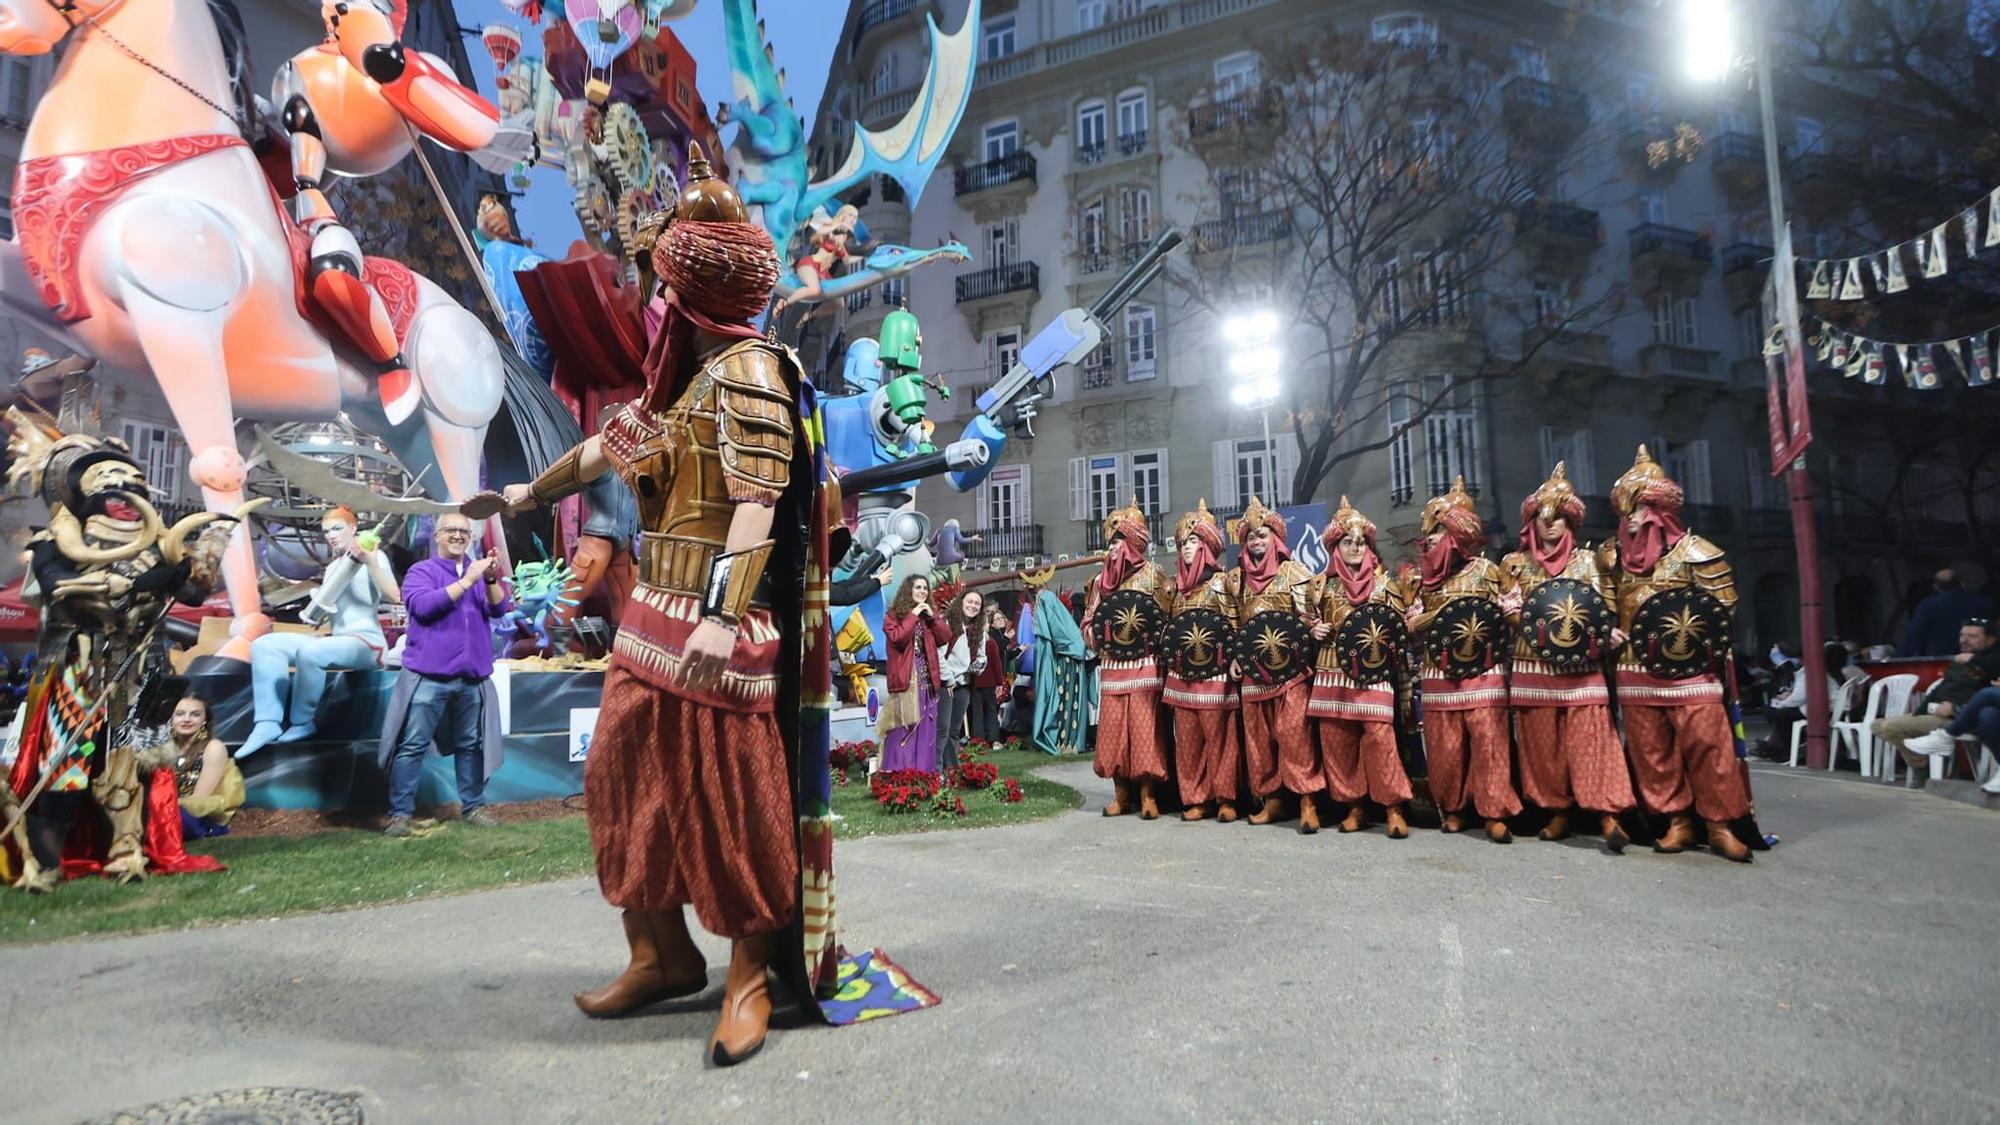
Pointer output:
950, 676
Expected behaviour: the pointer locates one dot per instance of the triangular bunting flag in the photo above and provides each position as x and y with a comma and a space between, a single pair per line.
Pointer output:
1903, 364
1971, 221
1774, 341
1822, 342
1878, 272
1843, 353
1993, 218
1982, 359
1872, 368
1820, 288
1927, 373
1934, 265
1850, 281
1897, 282
1956, 349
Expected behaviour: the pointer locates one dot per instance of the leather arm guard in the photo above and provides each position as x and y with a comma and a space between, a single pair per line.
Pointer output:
732, 582
563, 478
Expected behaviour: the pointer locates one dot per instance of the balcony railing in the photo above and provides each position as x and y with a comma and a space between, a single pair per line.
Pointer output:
1650, 238
1132, 144
1006, 542
1137, 26
880, 108
861, 300
1094, 259
1011, 168
1676, 359
1738, 257
1090, 154
1159, 525
1242, 230
1246, 110
995, 281
1556, 106
879, 13
1564, 219
1738, 148
1133, 250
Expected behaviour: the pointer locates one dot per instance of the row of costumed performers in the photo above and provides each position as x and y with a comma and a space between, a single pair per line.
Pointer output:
1266, 689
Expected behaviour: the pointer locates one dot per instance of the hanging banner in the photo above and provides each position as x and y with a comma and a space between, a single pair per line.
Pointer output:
1971, 221
1897, 281
1820, 288
1982, 359
1785, 390
1993, 218
1850, 281
1874, 370
1927, 372
1843, 353
1956, 349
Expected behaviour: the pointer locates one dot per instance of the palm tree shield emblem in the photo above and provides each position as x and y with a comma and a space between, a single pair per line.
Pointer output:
1199, 644
1275, 646
1567, 624
1129, 623
1468, 636
1681, 633
1370, 642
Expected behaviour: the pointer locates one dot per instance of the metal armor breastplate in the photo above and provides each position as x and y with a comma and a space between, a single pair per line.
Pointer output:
672, 462
1671, 572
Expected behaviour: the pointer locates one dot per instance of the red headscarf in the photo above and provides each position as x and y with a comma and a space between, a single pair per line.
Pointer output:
720, 276
1658, 507
1552, 556
1257, 573
1207, 556
1125, 555
1358, 582
1464, 535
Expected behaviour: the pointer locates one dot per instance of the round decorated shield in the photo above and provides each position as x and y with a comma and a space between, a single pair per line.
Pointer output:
1199, 643
1370, 642
1127, 622
1275, 646
1680, 633
1567, 625
1468, 636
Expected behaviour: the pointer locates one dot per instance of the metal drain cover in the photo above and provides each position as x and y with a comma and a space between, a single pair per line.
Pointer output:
263, 1105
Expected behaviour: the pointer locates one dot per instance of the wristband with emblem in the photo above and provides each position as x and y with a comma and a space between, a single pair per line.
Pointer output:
732, 580
563, 478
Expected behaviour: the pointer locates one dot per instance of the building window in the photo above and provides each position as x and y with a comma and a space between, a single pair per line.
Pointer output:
1099, 365
999, 42
1438, 274
1750, 324
1652, 206
1002, 239
1134, 117
1551, 304
1246, 467
1000, 140
1673, 321
1687, 463
1003, 501
1235, 75
1253, 470
683, 94
894, 293
1390, 290
1135, 215
1091, 233
1089, 15
1402, 479
160, 451
1140, 352
1149, 480
1572, 448
1090, 127
1451, 449
1006, 351
1404, 29
884, 79
1094, 484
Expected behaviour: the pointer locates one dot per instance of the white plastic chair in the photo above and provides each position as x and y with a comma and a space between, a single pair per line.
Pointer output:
1887, 696
1838, 706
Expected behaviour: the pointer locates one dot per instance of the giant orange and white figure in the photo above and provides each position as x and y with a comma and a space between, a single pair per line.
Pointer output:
149, 234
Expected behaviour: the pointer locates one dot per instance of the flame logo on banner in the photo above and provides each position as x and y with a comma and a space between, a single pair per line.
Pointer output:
1310, 552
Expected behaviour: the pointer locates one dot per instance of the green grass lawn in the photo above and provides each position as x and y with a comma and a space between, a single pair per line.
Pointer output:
274, 875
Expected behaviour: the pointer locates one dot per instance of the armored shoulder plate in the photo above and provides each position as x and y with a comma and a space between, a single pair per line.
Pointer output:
756, 414
1698, 550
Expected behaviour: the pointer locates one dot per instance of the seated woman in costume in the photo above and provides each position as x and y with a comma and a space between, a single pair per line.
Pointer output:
210, 785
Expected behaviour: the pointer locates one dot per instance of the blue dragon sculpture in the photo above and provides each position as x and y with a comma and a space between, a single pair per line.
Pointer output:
773, 171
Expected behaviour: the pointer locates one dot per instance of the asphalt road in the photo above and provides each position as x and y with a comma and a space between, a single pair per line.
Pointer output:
1132, 972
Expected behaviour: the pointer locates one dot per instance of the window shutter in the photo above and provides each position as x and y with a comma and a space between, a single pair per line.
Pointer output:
1224, 494
1287, 468
1700, 485
1079, 503
1166, 484
1024, 503
1583, 464
986, 505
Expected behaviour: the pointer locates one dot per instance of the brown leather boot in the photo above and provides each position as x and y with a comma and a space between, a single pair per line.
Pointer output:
746, 1003
1678, 837
1556, 829
1308, 815
1357, 818
1149, 805
1496, 831
1121, 799
1724, 843
665, 964
1615, 839
1225, 812
1195, 812
1274, 809
1399, 828
1452, 822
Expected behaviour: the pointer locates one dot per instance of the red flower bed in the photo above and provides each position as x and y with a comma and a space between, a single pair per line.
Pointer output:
1009, 791
902, 791
974, 775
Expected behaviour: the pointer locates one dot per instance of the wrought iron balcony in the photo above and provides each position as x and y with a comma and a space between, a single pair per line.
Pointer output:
1533, 105
1090, 154
1677, 360
996, 281
1006, 542
1132, 144
1094, 259
1251, 111
1658, 238
1159, 526
1558, 220
860, 300
1738, 257
1015, 167
1242, 230
879, 13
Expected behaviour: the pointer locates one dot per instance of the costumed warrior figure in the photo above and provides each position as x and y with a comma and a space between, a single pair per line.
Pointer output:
356, 581
1464, 684
104, 572
1207, 750
1569, 750
1131, 746
348, 107
1277, 740
693, 782
1354, 689
1677, 730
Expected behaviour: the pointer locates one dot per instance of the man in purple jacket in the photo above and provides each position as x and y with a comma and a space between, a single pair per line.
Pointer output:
452, 602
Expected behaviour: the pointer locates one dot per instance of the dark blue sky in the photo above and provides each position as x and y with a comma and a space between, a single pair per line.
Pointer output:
803, 32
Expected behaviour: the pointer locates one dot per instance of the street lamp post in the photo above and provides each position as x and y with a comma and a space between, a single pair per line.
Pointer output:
1713, 56
1256, 362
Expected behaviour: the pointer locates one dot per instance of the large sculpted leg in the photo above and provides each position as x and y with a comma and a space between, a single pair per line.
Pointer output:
316, 658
